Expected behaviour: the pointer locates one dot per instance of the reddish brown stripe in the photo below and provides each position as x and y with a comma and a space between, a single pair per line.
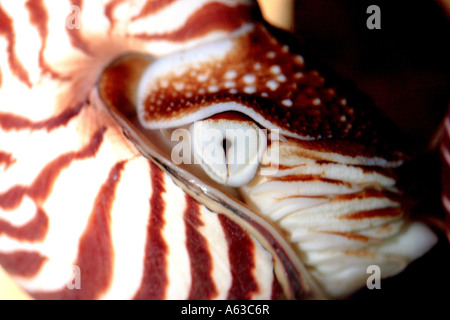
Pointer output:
12, 198
43, 184
6, 30
379, 213
41, 187
202, 286
308, 178
10, 121
347, 235
301, 177
241, 255
388, 172
213, 16
277, 291
33, 230
301, 197
6, 159
95, 257
151, 7
154, 282
109, 9
39, 18
22, 263
368, 194
75, 36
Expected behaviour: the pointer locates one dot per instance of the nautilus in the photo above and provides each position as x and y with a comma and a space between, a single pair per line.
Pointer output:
92, 97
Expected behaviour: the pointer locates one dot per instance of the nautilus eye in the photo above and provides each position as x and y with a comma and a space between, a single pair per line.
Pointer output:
229, 148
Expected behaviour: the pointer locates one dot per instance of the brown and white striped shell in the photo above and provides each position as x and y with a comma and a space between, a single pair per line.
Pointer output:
86, 177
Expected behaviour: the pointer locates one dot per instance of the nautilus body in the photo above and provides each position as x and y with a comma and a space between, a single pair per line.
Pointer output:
187, 150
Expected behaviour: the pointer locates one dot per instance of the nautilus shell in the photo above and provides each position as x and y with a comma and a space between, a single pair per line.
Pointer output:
93, 95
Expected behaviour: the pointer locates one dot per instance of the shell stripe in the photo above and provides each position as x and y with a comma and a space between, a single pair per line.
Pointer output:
109, 11
213, 16
7, 31
384, 213
240, 252
10, 121
29, 263
203, 286
34, 230
152, 7
39, 18
6, 159
155, 276
75, 36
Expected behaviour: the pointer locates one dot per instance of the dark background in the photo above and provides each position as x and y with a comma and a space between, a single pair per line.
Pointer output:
404, 68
